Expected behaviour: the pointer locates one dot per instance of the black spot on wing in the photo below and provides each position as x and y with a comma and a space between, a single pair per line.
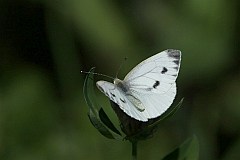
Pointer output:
123, 100
156, 84
173, 53
164, 70
175, 68
176, 62
100, 88
113, 94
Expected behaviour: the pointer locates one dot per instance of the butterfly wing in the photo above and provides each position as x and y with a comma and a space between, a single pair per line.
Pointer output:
153, 82
151, 86
116, 95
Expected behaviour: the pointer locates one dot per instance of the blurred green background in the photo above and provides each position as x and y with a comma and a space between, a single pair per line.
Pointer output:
45, 44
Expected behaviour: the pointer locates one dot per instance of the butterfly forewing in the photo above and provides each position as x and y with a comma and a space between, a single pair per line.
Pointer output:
164, 65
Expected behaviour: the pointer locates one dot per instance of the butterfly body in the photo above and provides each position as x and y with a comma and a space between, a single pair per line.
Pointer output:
121, 84
148, 89
124, 87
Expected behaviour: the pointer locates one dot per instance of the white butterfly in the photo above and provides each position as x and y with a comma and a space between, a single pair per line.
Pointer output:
149, 89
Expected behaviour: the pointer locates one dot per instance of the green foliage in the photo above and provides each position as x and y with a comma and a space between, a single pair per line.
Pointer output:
189, 150
152, 126
96, 114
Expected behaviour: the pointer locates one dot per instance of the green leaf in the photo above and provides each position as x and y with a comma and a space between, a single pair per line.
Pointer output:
88, 92
233, 151
104, 118
99, 125
96, 114
189, 150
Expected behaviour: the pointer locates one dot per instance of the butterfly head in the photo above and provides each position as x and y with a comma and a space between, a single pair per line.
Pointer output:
116, 81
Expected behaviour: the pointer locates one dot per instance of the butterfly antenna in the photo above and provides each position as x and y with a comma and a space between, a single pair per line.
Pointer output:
99, 74
120, 67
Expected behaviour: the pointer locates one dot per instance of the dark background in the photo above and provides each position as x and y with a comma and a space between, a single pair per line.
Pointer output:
45, 44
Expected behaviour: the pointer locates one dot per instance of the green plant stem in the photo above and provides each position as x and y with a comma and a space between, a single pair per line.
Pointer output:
134, 150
